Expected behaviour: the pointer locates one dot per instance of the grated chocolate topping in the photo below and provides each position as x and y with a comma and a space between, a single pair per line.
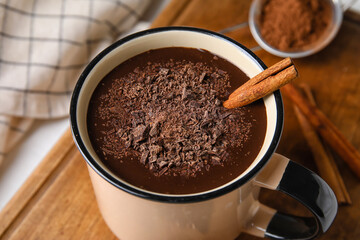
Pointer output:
170, 117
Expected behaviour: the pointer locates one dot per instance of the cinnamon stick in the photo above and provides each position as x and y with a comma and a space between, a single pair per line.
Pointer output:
326, 129
287, 62
262, 84
326, 164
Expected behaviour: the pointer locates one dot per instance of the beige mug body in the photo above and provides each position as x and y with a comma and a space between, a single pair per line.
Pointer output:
220, 213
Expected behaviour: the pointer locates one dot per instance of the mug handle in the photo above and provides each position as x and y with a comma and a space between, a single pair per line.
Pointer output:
284, 175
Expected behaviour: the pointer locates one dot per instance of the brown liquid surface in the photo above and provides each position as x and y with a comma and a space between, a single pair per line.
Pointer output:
132, 171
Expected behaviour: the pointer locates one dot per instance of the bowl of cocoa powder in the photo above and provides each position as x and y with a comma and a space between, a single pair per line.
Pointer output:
294, 28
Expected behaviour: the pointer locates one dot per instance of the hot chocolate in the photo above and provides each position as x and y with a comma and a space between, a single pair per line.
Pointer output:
158, 123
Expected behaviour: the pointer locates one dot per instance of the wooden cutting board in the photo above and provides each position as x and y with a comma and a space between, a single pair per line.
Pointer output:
57, 201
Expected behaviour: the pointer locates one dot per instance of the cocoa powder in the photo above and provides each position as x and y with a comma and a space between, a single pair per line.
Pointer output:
290, 25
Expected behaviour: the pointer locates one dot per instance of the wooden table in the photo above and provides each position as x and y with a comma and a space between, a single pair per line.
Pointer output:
57, 201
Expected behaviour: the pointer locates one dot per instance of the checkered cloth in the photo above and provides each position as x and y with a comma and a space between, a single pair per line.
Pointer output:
44, 46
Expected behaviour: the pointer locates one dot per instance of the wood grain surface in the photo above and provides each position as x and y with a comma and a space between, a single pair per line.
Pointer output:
57, 201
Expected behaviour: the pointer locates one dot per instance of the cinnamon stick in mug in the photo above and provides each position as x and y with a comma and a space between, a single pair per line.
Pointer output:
263, 84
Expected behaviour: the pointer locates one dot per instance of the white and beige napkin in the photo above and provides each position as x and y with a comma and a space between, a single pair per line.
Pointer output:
44, 46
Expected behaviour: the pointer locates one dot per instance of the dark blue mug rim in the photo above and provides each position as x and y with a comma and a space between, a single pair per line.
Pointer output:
153, 195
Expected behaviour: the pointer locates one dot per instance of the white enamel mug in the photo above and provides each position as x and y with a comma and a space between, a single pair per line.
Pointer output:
220, 213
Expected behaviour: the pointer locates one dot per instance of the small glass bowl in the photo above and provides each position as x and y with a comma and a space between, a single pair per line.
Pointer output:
327, 37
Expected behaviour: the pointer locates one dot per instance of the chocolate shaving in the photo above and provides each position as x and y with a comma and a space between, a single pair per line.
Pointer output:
170, 116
